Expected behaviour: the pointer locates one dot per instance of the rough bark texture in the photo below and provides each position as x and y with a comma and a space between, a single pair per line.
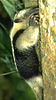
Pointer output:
47, 13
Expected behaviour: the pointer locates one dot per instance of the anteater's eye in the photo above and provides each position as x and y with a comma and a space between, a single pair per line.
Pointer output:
17, 20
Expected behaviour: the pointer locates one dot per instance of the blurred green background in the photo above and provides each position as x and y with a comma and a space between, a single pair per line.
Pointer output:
12, 86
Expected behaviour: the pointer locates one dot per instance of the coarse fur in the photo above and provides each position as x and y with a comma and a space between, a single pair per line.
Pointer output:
24, 37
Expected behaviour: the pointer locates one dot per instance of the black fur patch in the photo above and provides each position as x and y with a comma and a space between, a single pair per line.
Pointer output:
27, 62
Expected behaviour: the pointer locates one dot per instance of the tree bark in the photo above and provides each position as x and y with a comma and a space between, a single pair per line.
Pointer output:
47, 11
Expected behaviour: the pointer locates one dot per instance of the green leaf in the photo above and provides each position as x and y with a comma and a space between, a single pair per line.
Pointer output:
4, 41
11, 6
7, 73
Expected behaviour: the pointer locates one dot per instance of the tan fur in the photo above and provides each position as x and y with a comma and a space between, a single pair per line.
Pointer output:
20, 14
28, 38
16, 27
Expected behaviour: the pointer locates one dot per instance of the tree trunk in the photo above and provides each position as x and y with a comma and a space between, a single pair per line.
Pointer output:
47, 11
